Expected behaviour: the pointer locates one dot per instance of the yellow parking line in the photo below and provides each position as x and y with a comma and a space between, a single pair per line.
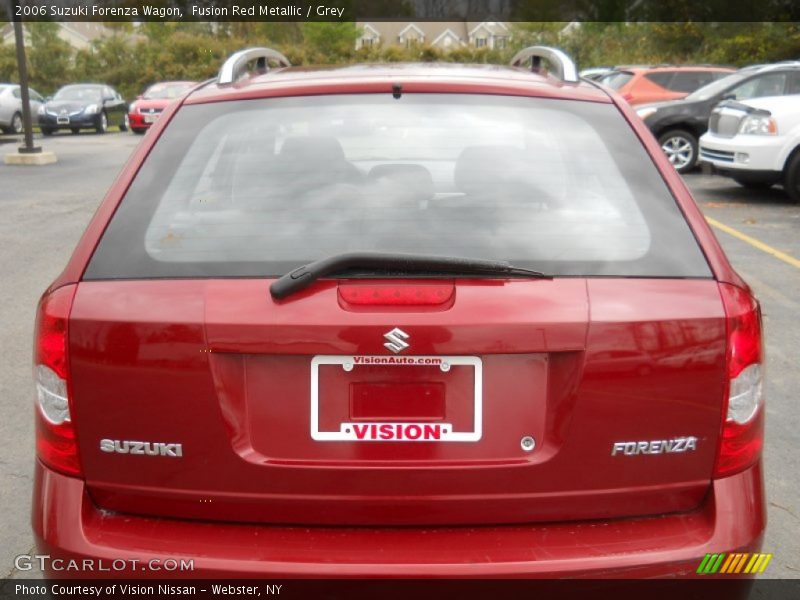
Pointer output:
756, 557
765, 563
787, 258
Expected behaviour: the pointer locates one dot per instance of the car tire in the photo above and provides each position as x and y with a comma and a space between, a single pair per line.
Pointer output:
16, 126
791, 180
102, 123
680, 146
125, 125
754, 184
46, 131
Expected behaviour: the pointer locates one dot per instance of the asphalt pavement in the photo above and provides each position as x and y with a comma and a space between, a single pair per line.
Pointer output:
45, 209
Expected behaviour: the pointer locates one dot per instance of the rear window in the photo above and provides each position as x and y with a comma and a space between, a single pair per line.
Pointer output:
661, 78
617, 79
260, 187
689, 81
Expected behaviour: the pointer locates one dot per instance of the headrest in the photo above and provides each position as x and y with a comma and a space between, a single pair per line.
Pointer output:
412, 182
486, 169
315, 149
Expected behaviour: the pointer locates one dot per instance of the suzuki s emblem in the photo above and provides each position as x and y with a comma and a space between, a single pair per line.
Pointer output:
396, 340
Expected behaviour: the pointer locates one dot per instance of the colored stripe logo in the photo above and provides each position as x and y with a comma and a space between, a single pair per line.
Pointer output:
734, 563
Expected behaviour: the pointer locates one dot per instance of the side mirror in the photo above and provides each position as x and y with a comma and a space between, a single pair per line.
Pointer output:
729, 96
108, 98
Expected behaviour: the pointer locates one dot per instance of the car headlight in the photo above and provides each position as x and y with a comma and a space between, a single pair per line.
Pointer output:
132, 107
91, 109
758, 125
41, 109
646, 112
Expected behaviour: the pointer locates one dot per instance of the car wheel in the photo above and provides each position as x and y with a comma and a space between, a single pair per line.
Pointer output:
680, 147
46, 131
16, 123
76, 130
754, 184
791, 182
126, 123
102, 123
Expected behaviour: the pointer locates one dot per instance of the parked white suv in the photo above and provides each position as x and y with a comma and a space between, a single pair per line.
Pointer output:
757, 142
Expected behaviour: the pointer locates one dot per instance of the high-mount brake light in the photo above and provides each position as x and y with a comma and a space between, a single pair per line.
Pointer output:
396, 294
55, 433
742, 435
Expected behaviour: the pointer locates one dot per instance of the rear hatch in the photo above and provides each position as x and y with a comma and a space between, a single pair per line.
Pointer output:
221, 369
382, 397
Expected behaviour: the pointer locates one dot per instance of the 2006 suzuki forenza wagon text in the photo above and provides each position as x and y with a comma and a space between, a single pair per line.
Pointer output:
399, 320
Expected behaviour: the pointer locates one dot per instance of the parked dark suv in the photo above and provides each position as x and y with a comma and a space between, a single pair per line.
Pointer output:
678, 124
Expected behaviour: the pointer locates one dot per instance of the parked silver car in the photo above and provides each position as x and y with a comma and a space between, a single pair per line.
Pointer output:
11, 107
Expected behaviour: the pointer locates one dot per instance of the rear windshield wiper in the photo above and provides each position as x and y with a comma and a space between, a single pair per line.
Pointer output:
304, 276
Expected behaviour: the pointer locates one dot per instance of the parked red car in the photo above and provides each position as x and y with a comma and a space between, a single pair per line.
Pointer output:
144, 111
399, 320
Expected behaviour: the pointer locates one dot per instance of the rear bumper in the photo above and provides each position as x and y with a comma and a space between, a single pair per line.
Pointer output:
68, 526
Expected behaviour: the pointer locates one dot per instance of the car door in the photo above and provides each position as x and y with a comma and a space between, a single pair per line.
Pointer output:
112, 104
6, 105
793, 85
35, 100
657, 88
766, 84
122, 107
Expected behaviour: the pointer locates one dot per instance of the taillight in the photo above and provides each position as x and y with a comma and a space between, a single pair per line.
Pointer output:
743, 426
55, 432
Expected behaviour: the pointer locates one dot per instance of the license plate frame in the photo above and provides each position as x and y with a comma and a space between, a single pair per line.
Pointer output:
348, 430
62, 120
150, 119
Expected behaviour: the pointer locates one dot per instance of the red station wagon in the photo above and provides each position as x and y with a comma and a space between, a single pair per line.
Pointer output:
399, 320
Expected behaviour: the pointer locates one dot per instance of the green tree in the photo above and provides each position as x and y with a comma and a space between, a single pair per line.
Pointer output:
330, 42
8, 63
49, 57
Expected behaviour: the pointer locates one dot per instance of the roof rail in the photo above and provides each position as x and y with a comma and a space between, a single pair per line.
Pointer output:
236, 65
561, 63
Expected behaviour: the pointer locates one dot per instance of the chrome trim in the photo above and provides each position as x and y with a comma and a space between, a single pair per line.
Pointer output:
719, 155
236, 65
346, 432
564, 67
